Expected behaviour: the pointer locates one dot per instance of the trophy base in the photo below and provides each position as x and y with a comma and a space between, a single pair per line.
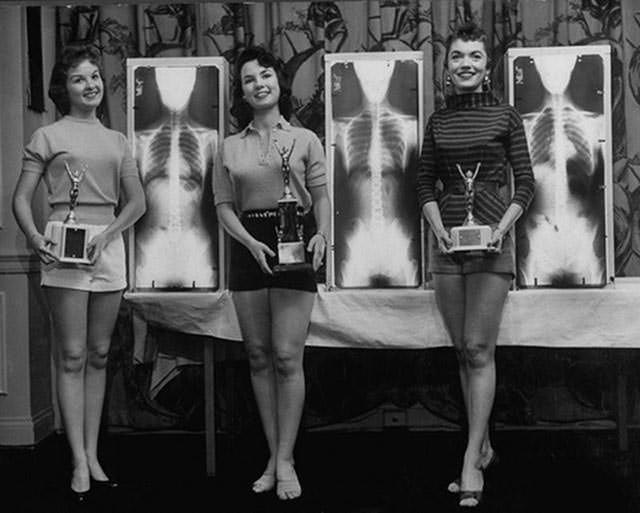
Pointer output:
471, 238
71, 241
291, 257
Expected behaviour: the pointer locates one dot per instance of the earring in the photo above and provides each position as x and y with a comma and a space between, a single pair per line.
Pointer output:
486, 82
447, 80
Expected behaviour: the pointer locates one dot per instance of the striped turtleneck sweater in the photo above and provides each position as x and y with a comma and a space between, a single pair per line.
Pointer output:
474, 128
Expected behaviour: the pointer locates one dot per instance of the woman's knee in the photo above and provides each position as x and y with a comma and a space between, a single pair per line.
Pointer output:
288, 363
260, 357
72, 360
97, 356
477, 354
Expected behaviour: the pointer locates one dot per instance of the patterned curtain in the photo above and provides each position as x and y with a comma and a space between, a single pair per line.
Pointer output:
300, 33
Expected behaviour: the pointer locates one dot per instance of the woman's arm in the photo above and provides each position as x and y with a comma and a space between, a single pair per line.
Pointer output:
322, 214
230, 222
431, 212
22, 197
133, 208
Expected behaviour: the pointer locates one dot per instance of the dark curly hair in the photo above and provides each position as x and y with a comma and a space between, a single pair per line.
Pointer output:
468, 31
69, 58
240, 109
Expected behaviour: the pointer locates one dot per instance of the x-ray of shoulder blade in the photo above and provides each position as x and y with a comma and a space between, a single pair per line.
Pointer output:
564, 225
175, 247
373, 148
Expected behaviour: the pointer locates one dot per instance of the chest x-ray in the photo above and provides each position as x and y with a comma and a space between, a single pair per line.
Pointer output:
373, 131
176, 125
562, 237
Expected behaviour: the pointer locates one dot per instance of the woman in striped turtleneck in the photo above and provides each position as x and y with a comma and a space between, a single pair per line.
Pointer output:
476, 133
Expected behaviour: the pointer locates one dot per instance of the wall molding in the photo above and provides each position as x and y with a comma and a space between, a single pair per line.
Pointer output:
26, 430
19, 264
4, 388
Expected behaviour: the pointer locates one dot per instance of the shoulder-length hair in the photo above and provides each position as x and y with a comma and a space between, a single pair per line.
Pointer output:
70, 57
240, 109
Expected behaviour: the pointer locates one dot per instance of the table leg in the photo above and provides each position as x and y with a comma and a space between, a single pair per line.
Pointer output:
210, 405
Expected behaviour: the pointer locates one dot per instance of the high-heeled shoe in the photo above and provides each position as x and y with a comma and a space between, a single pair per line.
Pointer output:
108, 484
470, 498
78, 498
454, 486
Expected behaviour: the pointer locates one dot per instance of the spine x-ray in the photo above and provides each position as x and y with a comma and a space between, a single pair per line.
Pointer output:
372, 130
562, 237
176, 125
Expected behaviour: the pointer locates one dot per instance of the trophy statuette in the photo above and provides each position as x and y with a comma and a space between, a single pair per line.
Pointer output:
70, 237
471, 236
291, 249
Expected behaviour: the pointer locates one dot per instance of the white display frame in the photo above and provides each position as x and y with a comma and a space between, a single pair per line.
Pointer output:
603, 51
347, 57
223, 103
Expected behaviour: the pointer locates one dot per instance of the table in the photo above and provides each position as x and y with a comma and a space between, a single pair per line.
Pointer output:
408, 319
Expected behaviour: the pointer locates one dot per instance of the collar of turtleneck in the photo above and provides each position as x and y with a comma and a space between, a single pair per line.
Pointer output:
471, 100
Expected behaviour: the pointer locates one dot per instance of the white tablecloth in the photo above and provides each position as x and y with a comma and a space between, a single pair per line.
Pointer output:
408, 319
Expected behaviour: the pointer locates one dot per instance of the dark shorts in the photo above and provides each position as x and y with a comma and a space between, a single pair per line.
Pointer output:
473, 261
245, 273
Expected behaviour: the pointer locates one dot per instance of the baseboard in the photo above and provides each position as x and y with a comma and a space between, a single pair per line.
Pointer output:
16, 431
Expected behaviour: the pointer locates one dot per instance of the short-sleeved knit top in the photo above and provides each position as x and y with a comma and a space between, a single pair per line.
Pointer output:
103, 153
248, 173
474, 128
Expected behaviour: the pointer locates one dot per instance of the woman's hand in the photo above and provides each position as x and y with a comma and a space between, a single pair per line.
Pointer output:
96, 245
259, 251
495, 244
42, 245
318, 246
445, 242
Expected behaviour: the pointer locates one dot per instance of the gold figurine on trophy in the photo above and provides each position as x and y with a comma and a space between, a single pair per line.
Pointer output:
471, 236
291, 249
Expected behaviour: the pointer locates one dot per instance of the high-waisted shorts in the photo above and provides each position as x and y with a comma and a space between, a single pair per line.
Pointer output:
108, 274
473, 261
245, 273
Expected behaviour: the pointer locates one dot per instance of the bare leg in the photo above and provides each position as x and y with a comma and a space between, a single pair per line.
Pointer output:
69, 313
254, 317
291, 311
103, 312
485, 297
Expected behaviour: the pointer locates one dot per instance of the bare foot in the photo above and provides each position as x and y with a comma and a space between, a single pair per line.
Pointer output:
288, 486
267, 480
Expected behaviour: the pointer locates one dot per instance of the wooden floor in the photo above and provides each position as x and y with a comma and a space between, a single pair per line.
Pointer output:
391, 471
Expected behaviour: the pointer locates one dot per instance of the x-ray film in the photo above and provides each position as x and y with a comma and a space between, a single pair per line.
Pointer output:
175, 123
563, 95
373, 103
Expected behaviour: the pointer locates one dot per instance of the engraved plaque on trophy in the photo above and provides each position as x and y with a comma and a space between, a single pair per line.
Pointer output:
70, 237
291, 249
471, 236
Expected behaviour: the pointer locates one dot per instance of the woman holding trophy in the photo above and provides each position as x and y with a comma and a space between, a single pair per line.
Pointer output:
88, 170
269, 184
468, 147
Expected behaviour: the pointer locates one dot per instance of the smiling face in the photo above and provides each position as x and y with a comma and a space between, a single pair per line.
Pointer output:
467, 65
260, 87
85, 88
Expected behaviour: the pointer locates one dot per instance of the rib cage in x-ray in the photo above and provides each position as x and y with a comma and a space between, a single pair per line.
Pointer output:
375, 145
563, 224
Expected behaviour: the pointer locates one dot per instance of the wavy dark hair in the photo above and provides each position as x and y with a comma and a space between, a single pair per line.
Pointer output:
240, 109
468, 31
69, 58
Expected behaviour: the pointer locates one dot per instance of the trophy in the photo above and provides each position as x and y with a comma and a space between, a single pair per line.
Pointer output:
291, 250
471, 236
71, 238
